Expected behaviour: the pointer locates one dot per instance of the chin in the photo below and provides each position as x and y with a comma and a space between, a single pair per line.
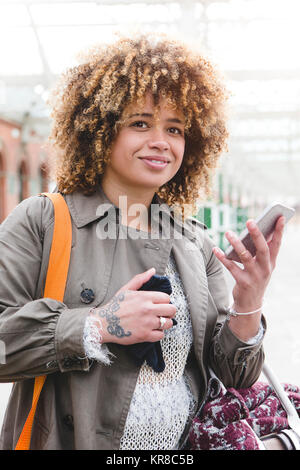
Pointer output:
146, 182
155, 185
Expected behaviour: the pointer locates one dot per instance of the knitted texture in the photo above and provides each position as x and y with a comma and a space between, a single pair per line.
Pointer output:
162, 402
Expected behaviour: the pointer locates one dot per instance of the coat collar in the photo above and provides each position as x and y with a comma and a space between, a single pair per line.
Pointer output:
85, 209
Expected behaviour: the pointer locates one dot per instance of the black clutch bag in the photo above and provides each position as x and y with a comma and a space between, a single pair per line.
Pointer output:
151, 352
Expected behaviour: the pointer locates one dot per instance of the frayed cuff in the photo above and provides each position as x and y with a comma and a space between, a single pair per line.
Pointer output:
92, 341
257, 338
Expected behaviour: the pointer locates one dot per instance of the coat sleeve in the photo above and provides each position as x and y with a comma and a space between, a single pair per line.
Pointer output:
236, 363
37, 335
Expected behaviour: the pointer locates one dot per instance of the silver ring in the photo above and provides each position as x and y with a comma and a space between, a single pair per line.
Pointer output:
162, 321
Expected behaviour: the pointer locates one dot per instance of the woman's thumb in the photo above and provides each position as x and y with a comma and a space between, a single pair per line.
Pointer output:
137, 281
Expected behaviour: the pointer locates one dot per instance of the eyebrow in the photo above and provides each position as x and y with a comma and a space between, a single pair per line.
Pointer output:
149, 115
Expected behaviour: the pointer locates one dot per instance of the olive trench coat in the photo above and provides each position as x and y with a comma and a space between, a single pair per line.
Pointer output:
84, 403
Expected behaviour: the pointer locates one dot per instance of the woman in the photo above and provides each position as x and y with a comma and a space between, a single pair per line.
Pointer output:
142, 118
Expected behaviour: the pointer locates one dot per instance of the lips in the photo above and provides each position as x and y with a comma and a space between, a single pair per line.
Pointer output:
156, 158
156, 163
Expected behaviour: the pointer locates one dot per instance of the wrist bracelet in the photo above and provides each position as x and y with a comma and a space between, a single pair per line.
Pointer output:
233, 313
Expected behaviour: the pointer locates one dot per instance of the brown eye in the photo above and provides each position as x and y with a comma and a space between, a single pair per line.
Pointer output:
140, 124
175, 130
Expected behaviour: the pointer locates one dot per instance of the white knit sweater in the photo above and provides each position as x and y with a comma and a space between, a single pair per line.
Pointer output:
161, 402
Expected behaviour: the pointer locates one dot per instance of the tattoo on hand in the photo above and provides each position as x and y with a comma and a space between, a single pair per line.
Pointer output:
114, 328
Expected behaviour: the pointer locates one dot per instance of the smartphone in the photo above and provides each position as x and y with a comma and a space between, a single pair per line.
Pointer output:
266, 223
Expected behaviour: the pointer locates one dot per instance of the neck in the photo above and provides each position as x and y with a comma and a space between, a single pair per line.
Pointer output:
127, 200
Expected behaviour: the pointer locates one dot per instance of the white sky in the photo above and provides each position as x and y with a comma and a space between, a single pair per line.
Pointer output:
270, 41
248, 38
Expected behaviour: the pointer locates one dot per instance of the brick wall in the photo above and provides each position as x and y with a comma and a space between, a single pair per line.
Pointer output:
23, 166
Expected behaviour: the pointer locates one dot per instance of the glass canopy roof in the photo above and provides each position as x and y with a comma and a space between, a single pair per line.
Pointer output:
243, 34
255, 43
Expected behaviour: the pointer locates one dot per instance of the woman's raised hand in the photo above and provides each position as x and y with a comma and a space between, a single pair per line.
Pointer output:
133, 316
252, 279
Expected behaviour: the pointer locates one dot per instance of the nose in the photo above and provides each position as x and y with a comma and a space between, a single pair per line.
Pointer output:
158, 141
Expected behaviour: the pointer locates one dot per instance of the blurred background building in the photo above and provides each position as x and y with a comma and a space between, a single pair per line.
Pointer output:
254, 42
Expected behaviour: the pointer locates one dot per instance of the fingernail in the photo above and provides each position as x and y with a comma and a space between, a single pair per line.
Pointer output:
231, 234
174, 322
252, 224
151, 269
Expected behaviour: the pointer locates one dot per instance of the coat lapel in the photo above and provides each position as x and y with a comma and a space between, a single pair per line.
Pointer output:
191, 268
188, 256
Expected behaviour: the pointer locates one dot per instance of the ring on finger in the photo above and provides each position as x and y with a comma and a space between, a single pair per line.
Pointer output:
243, 252
162, 321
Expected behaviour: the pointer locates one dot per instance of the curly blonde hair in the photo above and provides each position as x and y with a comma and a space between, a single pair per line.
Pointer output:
89, 100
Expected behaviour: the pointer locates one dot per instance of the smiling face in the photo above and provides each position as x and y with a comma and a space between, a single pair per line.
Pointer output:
148, 150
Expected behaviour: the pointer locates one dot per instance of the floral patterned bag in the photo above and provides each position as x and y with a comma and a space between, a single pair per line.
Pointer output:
233, 419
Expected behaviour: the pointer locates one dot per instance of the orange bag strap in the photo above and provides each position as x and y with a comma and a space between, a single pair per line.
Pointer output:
54, 288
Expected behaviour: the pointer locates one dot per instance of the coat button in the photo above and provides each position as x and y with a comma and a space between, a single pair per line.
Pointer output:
87, 296
68, 421
67, 362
